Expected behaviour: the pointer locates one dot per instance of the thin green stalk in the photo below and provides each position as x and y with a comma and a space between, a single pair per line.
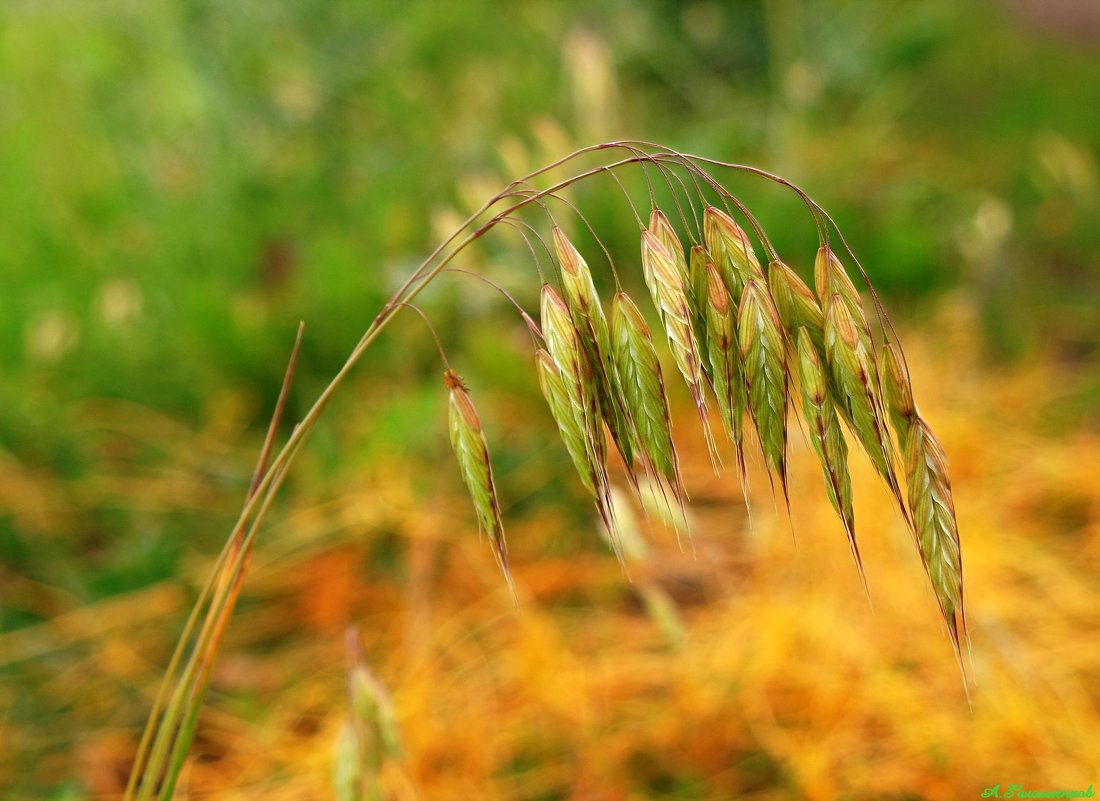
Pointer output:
174, 732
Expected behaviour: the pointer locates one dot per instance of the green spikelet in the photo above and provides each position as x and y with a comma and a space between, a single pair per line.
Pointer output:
763, 359
697, 295
826, 438
588, 319
897, 394
666, 285
661, 228
570, 420
731, 250
579, 394
933, 509
830, 278
472, 453
724, 359
796, 304
853, 369
643, 388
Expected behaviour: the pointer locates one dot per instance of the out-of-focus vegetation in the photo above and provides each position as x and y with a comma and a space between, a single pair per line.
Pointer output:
184, 181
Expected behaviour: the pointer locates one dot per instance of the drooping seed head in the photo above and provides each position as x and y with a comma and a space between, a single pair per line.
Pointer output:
594, 339
897, 393
826, 437
569, 418
643, 388
561, 335
575, 413
764, 363
933, 510
724, 358
580, 291
472, 452
855, 378
728, 244
564, 346
666, 285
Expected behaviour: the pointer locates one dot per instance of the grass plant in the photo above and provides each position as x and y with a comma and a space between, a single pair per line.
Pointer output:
742, 338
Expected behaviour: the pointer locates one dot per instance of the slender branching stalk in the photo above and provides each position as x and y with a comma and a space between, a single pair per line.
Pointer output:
754, 342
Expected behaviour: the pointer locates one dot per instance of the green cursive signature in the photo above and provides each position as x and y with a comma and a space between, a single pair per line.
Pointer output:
1018, 791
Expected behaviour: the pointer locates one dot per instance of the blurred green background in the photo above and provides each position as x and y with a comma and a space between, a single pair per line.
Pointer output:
182, 182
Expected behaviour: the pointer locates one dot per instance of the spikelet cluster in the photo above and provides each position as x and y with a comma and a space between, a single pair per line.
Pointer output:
755, 343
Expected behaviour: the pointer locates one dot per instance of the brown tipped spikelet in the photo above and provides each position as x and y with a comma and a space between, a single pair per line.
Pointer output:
724, 359
472, 452
933, 509
826, 437
589, 320
643, 389
731, 250
666, 285
764, 363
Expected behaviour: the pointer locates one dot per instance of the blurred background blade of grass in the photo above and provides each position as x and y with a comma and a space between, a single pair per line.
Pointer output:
184, 181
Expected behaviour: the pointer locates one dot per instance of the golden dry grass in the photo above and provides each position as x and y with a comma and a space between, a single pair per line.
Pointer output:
785, 684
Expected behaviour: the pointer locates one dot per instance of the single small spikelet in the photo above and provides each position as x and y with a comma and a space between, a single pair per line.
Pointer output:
897, 393
578, 438
588, 319
933, 510
830, 278
724, 360
796, 304
570, 420
661, 228
643, 389
468, 442
827, 438
731, 250
763, 358
374, 717
853, 370
666, 285
368, 742
697, 294
563, 343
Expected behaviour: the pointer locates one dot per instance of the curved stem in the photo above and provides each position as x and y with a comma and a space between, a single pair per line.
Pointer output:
161, 755
167, 739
